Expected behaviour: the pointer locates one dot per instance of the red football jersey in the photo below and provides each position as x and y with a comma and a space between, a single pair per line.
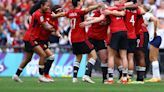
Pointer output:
117, 23
140, 26
130, 19
98, 30
2, 20
27, 34
35, 27
76, 16
44, 35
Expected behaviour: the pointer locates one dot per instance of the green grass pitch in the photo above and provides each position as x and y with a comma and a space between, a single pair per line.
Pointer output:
30, 84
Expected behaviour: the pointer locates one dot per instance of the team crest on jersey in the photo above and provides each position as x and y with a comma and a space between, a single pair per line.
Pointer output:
41, 18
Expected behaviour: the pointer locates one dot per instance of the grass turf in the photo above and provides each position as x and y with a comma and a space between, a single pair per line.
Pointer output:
65, 85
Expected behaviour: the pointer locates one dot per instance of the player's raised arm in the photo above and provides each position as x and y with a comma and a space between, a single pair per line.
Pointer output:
114, 12
142, 11
90, 8
125, 5
94, 20
133, 6
62, 14
128, 3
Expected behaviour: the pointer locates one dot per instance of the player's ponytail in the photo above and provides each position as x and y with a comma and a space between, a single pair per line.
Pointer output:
42, 2
75, 3
134, 1
34, 8
109, 1
37, 6
56, 8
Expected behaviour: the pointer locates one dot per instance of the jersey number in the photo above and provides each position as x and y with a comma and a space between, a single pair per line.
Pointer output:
73, 23
132, 20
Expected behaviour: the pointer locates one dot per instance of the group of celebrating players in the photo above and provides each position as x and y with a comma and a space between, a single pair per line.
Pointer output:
117, 34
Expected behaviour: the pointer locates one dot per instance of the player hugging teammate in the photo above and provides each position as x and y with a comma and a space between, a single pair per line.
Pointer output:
36, 39
122, 24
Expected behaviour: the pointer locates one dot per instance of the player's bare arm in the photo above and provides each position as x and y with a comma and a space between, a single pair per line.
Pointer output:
62, 14
114, 12
48, 27
133, 6
142, 11
94, 20
126, 5
90, 8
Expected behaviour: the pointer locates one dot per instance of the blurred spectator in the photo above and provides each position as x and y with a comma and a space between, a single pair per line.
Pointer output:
160, 15
3, 38
18, 42
13, 22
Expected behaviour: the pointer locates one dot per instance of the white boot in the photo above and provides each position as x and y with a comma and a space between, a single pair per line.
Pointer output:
74, 80
16, 78
43, 79
86, 78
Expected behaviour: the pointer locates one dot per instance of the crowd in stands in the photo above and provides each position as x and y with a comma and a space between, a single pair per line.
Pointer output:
14, 16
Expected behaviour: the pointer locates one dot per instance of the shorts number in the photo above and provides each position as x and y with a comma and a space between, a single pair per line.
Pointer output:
138, 42
132, 20
73, 23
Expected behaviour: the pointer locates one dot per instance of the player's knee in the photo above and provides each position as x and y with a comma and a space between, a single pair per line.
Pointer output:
152, 58
123, 57
93, 55
130, 57
43, 55
52, 57
78, 58
103, 58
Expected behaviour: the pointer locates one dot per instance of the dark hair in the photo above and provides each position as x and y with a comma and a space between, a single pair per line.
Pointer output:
55, 7
75, 3
134, 1
37, 6
42, 2
109, 1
